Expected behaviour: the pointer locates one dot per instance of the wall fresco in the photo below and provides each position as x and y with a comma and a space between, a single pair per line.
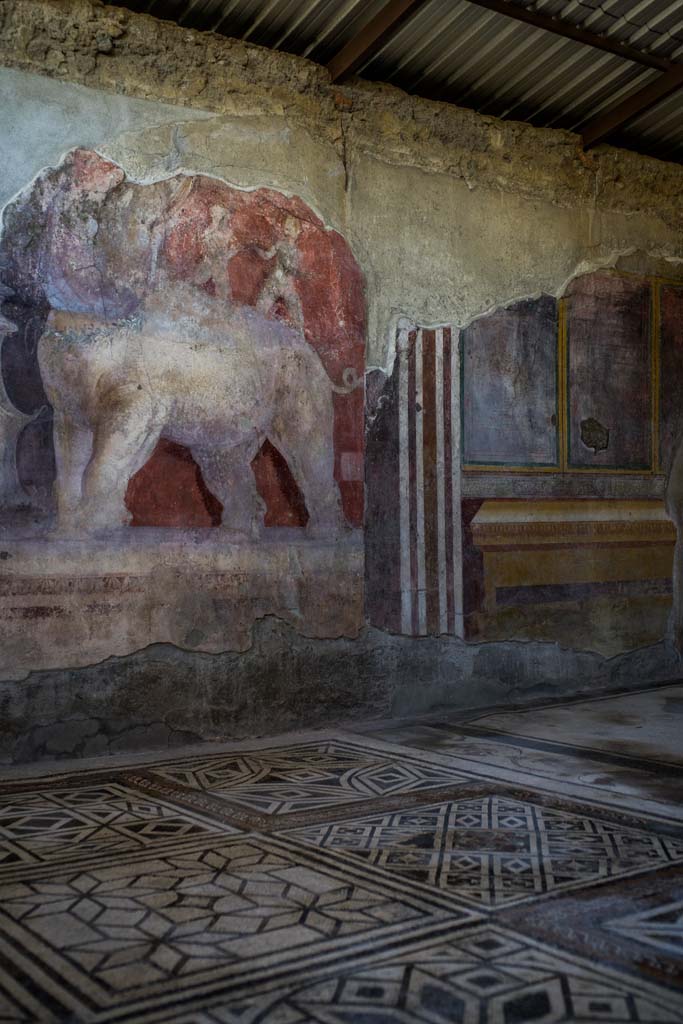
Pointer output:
670, 372
609, 368
180, 358
564, 534
560, 555
109, 248
413, 560
510, 404
184, 360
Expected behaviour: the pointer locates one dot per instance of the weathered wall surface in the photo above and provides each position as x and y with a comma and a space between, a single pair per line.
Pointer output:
183, 214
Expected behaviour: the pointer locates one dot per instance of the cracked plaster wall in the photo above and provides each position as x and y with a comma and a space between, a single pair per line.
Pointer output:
496, 211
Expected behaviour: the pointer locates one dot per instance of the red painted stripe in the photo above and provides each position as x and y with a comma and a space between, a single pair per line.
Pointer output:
448, 450
430, 488
412, 476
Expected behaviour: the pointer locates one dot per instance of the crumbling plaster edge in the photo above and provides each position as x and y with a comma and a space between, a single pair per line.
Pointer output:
402, 319
353, 98
363, 633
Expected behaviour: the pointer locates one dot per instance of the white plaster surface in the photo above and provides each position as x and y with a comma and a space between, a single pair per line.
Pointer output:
41, 119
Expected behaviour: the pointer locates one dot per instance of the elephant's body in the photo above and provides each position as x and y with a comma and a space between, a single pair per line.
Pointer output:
220, 385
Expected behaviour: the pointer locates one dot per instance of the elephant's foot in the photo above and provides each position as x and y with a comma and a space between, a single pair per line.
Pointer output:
240, 538
86, 521
328, 526
245, 525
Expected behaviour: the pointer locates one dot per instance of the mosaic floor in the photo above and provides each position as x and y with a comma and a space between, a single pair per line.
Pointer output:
492, 869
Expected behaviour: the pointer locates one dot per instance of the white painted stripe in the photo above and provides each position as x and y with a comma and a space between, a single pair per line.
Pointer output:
419, 479
455, 484
404, 484
440, 484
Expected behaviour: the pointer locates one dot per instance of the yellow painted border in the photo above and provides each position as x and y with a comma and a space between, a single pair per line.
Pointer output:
656, 332
562, 466
562, 441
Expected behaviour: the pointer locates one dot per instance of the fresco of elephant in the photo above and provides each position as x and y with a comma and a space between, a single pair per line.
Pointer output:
184, 369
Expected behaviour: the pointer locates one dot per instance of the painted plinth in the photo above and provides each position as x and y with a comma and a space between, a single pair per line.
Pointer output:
66, 603
545, 553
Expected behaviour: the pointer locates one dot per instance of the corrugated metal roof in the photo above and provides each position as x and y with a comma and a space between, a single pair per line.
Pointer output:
476, 57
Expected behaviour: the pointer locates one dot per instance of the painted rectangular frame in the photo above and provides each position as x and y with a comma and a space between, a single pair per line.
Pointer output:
562, 398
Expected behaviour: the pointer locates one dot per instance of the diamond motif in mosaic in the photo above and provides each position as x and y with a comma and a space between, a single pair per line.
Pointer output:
306, 777
488, 976
150, 924
58, 824
495, 850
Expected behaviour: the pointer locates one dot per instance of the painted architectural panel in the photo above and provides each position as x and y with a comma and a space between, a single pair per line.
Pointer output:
671, 372
609, 372
413, 535
509, 402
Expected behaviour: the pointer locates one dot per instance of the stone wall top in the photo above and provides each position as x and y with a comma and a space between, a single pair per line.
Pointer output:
113, 49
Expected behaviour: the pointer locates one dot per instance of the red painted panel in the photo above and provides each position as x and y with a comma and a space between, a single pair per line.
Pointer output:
257, 248
169, 491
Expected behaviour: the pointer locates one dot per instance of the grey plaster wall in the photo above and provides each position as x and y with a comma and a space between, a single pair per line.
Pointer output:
165, 697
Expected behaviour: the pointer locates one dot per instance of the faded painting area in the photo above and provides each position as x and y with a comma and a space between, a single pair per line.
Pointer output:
554, 524
510, 414
609, 369
182, 396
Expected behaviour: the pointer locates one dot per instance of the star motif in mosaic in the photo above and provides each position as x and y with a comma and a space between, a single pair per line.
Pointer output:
486, 976
661, 927
48, 825
495, 850
305, 777
150, 925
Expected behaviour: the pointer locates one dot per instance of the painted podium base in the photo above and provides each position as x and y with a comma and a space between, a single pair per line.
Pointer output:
66, 603
595, 573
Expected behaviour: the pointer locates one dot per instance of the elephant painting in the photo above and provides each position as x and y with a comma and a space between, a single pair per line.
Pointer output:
218, 381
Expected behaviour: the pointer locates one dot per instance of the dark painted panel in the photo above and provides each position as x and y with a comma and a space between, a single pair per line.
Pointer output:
510, 386
382, 544
671, 373
609, 372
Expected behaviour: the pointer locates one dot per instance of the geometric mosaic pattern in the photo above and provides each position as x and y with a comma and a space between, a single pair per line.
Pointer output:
147, 926
488, 976
335, 882
41, 827
495, 850
661, 927
306, 777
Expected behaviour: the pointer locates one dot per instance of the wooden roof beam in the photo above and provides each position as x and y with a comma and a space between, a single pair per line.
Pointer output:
372, 37
576, 32
598, 128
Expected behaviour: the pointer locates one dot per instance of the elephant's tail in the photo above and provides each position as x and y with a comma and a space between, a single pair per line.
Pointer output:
351, 382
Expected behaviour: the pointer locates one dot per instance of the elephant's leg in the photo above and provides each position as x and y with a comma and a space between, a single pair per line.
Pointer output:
303, 431
73, 448
124, 440
228, 474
